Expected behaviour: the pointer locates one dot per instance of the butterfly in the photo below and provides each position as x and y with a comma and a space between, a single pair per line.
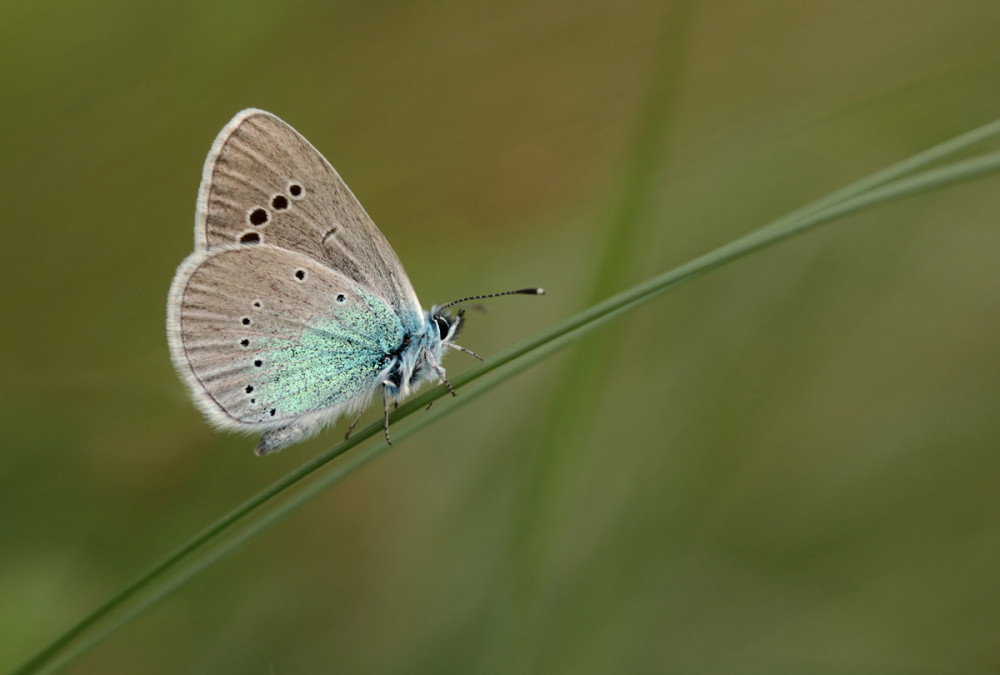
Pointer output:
293, 308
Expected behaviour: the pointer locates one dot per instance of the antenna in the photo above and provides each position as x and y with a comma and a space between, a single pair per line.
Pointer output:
523, 291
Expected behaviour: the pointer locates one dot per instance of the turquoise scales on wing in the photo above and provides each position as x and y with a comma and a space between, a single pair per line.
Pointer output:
334, 359
281, 342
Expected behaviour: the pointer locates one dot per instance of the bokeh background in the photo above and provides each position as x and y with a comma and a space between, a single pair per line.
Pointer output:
789, 466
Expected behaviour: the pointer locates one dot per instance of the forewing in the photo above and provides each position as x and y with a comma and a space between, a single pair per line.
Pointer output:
263, 182
264, 335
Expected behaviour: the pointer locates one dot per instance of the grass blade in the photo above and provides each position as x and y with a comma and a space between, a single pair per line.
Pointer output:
527, 352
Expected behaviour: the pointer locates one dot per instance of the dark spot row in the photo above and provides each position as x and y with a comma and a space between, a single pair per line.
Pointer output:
253, 401
259, 216
246, 321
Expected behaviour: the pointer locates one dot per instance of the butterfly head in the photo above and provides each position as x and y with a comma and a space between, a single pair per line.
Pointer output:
418, 358
448, 325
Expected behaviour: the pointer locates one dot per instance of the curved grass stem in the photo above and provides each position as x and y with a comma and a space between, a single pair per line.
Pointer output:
188, 560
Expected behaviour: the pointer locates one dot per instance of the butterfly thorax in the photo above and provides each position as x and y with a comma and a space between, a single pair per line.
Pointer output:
418, 356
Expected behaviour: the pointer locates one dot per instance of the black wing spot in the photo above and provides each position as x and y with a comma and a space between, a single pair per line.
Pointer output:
300, 275
246, 321
296, 190
259, 216
279, 202
253, 400
256, 303
272, 412
258, 363
249, 388
341, 297
250, 238
245, 342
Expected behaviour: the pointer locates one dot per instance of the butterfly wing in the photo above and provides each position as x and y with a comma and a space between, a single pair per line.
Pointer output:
263, 182
270, 339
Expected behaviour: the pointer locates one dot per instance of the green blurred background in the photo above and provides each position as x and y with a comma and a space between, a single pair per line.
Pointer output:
788, 466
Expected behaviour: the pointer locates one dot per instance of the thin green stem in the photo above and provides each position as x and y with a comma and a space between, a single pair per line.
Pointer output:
770, 234
186, 549
292, 503
546, 341
579, 385
910, 165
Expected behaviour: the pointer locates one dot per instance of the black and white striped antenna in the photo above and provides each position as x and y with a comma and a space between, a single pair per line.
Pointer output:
523, 291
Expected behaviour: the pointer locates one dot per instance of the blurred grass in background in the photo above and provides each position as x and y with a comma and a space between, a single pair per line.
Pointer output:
788, 466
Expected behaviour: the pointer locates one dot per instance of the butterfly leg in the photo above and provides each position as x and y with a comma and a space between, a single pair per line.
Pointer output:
438, 369
467, 351
353, 424
385, 405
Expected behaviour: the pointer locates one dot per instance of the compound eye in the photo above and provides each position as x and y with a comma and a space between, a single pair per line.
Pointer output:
443, 326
